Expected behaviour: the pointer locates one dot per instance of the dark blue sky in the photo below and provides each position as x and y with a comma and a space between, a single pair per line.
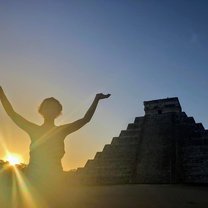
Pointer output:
136, 50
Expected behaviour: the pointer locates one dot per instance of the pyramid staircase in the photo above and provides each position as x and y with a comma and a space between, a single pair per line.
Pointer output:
116, 163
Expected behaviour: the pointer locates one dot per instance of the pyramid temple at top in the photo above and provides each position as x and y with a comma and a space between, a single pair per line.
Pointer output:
163, 146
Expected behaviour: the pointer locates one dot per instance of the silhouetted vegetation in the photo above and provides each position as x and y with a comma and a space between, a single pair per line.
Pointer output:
5, 165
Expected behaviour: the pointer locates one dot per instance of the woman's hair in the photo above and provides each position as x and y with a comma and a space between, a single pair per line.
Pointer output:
50, 107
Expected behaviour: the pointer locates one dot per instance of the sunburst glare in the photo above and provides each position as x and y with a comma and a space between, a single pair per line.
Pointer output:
13, 159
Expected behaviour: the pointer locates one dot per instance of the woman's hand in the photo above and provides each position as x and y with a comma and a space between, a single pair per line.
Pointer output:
100, 96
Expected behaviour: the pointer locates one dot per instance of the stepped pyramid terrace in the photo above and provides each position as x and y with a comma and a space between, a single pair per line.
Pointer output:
163, 146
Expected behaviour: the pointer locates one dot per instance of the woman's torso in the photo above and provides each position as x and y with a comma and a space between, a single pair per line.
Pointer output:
47, 148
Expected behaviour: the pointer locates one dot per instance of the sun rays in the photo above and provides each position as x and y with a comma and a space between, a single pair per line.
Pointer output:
30, 197
13, 159
17, 191
15, 188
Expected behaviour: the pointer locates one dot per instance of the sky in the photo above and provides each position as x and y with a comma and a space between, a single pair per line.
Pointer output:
71, 50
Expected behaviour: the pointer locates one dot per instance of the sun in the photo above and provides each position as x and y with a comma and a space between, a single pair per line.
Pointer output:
13, 159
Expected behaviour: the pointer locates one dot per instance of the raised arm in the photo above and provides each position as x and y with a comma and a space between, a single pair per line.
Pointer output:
69, 128
19, 120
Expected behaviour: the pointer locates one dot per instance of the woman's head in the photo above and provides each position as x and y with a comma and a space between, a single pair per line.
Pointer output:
50, 108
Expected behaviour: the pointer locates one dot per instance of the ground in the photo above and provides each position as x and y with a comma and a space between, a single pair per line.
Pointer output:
130, 196
142, 196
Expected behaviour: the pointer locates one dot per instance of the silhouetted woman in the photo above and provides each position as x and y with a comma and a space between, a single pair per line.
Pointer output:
47, 140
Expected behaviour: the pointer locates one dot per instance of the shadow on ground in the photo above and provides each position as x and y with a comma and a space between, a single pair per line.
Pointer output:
21, 194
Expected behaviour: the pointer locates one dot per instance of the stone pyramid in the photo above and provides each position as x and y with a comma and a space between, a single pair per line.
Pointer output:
163, 146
